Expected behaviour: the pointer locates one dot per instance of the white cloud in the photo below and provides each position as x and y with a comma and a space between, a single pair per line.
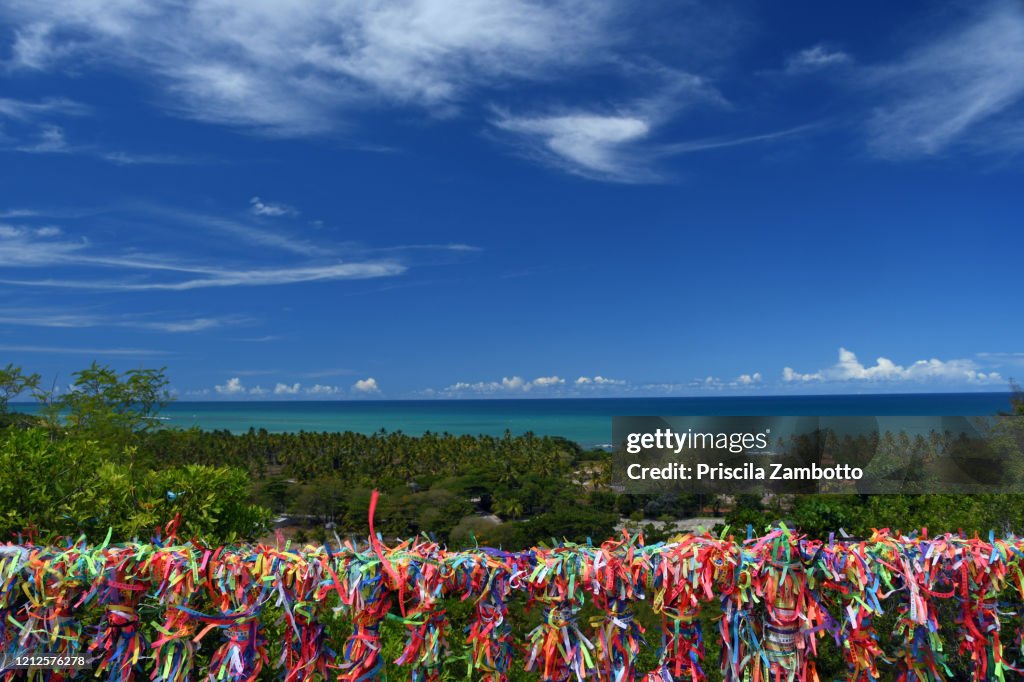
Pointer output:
791, 375
123, 158
598, 380
322, 390
513, 384
714, 383
285, 389
592, 145
56, 318
815, 58
849, 368
36, 133
294, 67
98, 352
310, 67
258, 391
616, 147
955, 88
177, 326
137, 267
16, 231
999, 359
24, 110
232, 386
264, 208
326, 372
49, 139
368, 385
37, 254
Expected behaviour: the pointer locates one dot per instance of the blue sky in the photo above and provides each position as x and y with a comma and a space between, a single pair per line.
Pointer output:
505, 198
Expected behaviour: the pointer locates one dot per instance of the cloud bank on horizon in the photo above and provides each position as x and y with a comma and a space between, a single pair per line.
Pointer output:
433, 192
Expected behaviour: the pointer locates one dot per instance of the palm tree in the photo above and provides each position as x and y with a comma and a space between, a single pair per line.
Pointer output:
511, 508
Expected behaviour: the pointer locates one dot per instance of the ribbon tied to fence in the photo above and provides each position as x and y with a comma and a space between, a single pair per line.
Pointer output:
170, 611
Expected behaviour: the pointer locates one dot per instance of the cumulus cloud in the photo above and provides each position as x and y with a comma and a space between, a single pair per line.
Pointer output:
322, 390
264, 208
791, 375
513, 384
965, 84
368, 385
850, 369
232, 386
598, 380
714, 383
287, 389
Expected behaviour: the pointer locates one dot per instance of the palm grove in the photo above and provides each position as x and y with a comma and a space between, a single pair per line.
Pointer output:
96, 459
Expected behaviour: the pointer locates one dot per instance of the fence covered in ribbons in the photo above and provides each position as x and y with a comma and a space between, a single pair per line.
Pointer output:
170, 611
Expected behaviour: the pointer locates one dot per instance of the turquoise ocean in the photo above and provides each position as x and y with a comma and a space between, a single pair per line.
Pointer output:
588, 421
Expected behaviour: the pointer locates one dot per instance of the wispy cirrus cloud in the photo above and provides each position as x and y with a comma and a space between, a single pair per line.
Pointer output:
313, 69
1000, 359
65, 319
618, 147
76, 262
37, 131
962, 86
596, 146
297, 68
616, 144
815, 58
32, 110
230, 278
75, 350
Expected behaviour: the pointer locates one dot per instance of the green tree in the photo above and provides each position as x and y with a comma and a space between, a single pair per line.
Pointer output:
14, 382
76, 486
106, 404
40, 480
